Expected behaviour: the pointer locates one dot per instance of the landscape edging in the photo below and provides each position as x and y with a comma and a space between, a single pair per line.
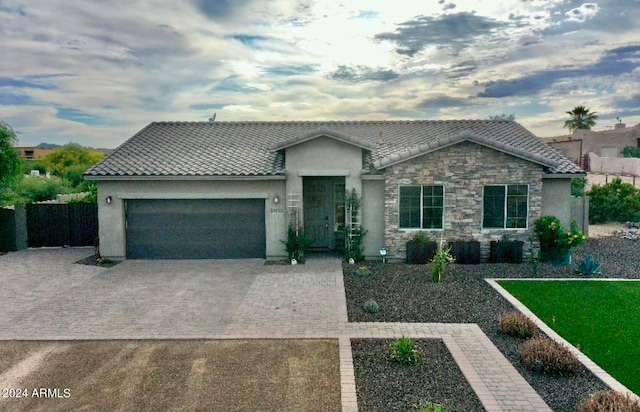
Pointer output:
603, 375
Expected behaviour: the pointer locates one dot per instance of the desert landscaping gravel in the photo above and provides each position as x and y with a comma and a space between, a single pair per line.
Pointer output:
409, 387
405, 293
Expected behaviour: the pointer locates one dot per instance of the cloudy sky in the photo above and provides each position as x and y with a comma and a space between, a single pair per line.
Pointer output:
95, 72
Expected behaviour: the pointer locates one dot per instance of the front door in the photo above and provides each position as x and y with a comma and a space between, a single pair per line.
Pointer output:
318, 211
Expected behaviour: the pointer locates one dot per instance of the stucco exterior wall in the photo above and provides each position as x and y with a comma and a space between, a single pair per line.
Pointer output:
556, 200
323, 156
373, 220
111, 217
614, 165
463, 169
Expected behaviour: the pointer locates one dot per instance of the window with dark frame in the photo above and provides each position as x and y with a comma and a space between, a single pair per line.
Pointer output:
505, 206
421, 207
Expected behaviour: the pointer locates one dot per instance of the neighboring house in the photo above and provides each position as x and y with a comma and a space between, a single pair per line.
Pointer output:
228, 189
33, 152
606, 143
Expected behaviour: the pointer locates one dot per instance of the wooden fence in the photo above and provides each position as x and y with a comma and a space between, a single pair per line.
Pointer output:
73, 224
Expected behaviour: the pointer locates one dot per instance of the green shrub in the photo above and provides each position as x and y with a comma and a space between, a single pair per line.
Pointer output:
371, 306
74, 174
421, 237
553, 237
554, 358
403, 350
614, 202
609, 401
631, 151
38, 189
577, 186
296, 244
92, 197
434, 407
36, 164
516, 324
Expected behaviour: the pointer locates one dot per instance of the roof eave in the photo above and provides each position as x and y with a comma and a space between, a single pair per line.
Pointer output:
464, 136
558, 175
320, 132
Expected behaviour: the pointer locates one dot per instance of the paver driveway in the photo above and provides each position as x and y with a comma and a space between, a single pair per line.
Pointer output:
45, 296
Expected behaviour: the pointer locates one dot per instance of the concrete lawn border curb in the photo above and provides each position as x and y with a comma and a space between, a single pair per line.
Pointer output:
584, 359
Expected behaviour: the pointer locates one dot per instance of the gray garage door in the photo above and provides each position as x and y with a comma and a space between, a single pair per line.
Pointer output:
195, 229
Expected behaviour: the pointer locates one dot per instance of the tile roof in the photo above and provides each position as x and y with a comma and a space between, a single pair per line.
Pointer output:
254, 148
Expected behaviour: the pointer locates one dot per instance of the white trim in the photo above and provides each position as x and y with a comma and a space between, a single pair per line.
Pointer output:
588, 363
194, 195
314, 173
564, 175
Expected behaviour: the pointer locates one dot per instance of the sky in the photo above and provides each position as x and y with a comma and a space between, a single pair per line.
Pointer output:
95, 72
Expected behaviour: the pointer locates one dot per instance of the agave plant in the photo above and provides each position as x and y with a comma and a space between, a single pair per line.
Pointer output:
589, 267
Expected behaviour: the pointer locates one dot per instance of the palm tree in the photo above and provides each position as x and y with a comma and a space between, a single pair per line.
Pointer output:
581, 118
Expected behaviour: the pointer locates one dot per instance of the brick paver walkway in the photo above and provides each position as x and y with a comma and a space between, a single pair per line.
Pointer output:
46, 296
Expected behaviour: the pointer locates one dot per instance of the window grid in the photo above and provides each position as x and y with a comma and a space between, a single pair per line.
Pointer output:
506, 206
421, 207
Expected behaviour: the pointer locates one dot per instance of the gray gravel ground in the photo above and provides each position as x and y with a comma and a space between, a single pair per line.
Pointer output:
405, 294
394, 387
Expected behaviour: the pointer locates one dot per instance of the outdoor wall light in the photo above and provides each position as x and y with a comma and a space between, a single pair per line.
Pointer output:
276, 199
108, 199
383, 253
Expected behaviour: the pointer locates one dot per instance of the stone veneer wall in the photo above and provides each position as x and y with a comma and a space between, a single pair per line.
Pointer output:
463, 169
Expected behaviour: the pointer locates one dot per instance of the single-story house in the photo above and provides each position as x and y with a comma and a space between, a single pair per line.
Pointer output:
230, 189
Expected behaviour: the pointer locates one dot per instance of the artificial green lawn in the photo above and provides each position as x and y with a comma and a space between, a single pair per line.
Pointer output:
603, 318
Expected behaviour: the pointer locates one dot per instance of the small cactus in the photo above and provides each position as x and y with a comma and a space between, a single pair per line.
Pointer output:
589, 267
363, 271
371, 306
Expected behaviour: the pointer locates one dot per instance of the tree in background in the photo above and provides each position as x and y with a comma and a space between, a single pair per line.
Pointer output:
581, 118
614, 202
10, 166
503, 117
37, 189
70, 162
33, 164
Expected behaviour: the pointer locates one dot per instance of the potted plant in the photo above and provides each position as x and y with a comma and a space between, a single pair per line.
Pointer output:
420, 249
466, 252
556, 242
506, 250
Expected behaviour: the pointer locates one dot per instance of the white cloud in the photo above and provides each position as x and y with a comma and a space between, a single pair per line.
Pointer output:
583, 13
181, 60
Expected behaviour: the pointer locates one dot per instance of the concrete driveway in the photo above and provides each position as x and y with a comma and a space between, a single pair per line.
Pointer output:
45, 295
